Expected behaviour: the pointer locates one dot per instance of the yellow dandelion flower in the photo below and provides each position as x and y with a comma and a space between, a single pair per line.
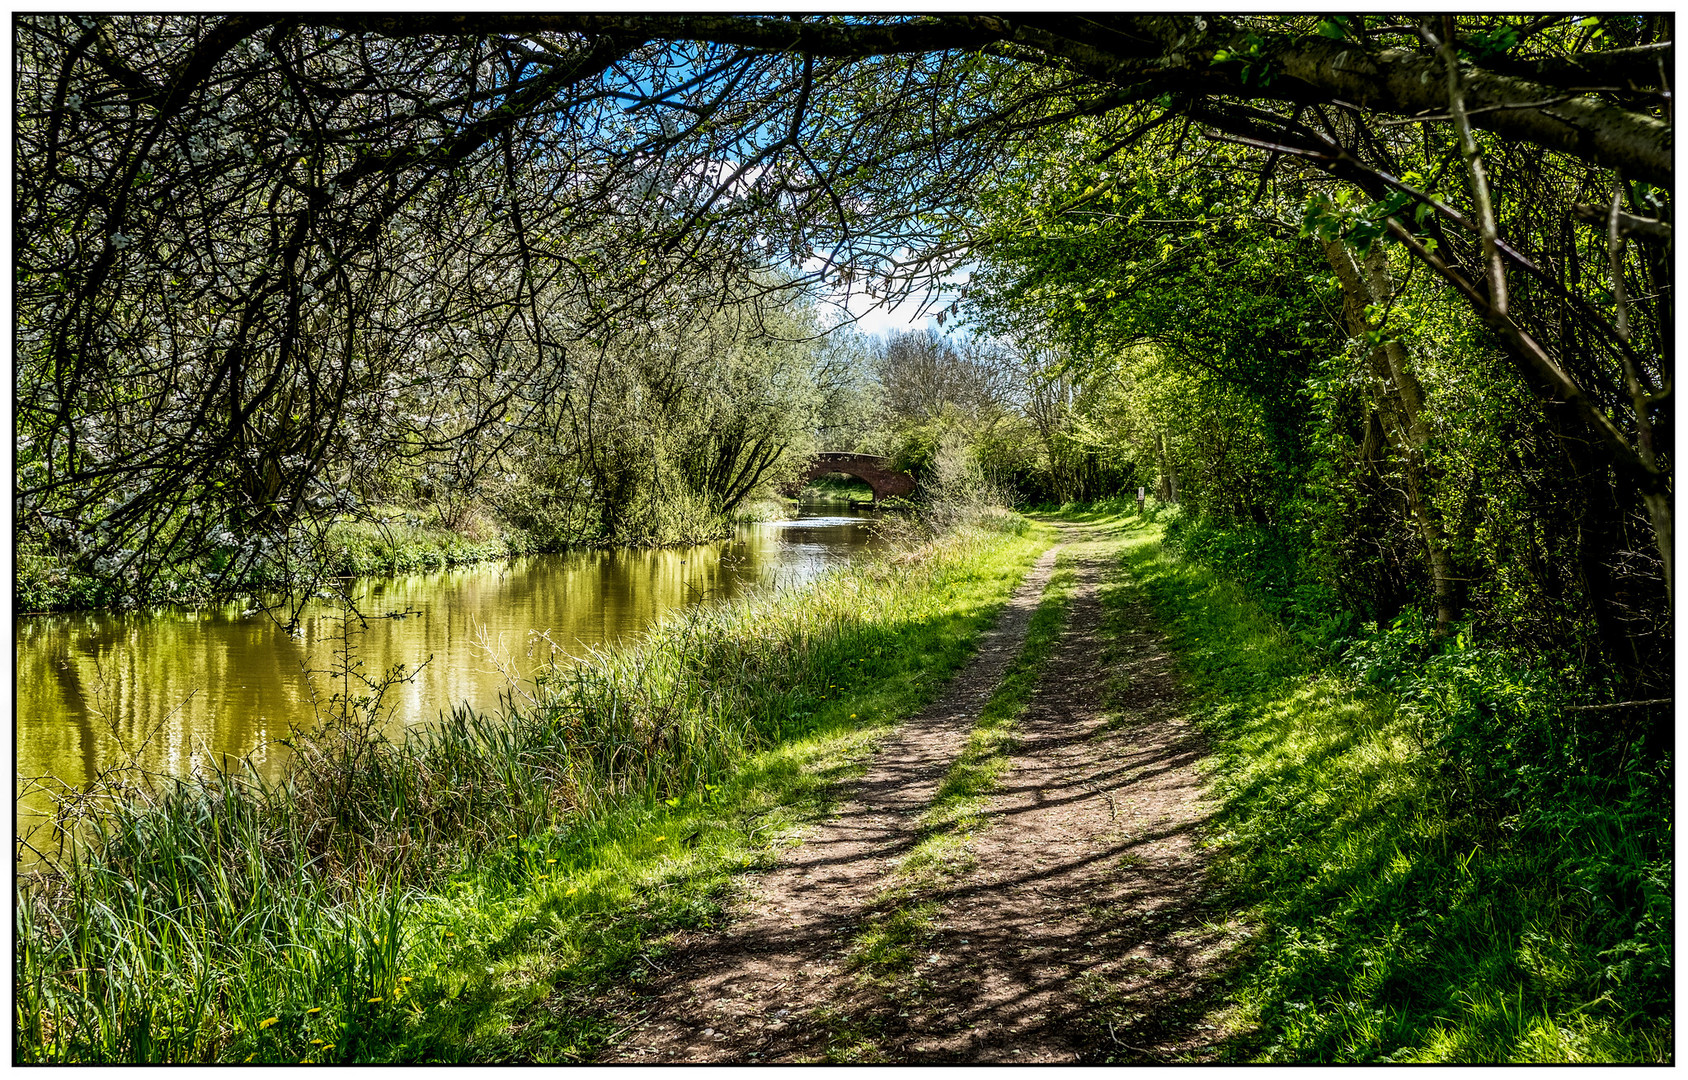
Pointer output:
372, 1001
571, 892
250, 1056
327, 1048
448, 933
262, 1024
662, 838
313, 1012
404, 978
316, 1042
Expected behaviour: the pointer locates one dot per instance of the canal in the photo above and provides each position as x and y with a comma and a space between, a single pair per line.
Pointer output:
162, 691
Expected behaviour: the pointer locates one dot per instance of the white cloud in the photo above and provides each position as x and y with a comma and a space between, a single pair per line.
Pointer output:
875, 316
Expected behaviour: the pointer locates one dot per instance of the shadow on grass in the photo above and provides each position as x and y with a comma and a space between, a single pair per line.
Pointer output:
1394, 920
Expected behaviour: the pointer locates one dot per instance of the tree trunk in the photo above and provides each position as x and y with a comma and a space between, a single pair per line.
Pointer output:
1399, 400
1167, 488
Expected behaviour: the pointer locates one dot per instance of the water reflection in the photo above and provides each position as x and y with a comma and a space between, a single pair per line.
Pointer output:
93, 689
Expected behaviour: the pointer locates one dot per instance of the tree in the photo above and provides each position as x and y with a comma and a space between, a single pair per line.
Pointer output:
1377, 401
924, 375
235, 193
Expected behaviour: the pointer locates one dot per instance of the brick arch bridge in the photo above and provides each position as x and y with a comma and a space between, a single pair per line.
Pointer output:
876, 472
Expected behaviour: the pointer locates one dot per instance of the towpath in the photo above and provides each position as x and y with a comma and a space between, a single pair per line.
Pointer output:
1075, 930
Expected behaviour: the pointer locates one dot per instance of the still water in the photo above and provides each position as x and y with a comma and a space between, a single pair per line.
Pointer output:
96, 690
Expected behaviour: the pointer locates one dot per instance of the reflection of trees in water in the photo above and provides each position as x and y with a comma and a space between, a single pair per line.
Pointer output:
94, 688
101, 689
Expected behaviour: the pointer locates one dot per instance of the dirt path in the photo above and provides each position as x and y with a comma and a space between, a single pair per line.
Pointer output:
1076, 935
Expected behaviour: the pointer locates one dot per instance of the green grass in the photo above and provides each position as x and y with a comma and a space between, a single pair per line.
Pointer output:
772, 508
837, 487
1413, 891
415, 541
472, 893
1412, 900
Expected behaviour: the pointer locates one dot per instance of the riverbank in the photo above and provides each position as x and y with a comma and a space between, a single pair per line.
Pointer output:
420, 901
394, 540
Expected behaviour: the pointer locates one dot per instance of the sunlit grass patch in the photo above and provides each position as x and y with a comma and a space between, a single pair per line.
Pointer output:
852, 1039
623, 891
888, 946
1403, 911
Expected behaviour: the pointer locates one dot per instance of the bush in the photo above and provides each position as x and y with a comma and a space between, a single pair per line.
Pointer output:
1442, 859
1271, 564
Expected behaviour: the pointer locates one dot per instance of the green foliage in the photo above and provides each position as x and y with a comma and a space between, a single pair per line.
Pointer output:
915, 448
405, 543
1334, 26
679, 423
1271, 565
1440, 862
1186, 314
1353, 456
44, 582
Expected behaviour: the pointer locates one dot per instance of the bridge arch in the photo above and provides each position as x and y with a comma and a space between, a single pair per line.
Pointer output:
876, 472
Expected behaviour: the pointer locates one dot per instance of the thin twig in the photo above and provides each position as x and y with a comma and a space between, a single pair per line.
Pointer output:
1128, 1046
1113, 811
1615, 252
40, 855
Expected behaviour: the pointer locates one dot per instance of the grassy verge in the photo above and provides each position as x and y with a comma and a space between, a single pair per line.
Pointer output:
1418, 892
392, 539
470, 893
837, 488
772, 508
414, 542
